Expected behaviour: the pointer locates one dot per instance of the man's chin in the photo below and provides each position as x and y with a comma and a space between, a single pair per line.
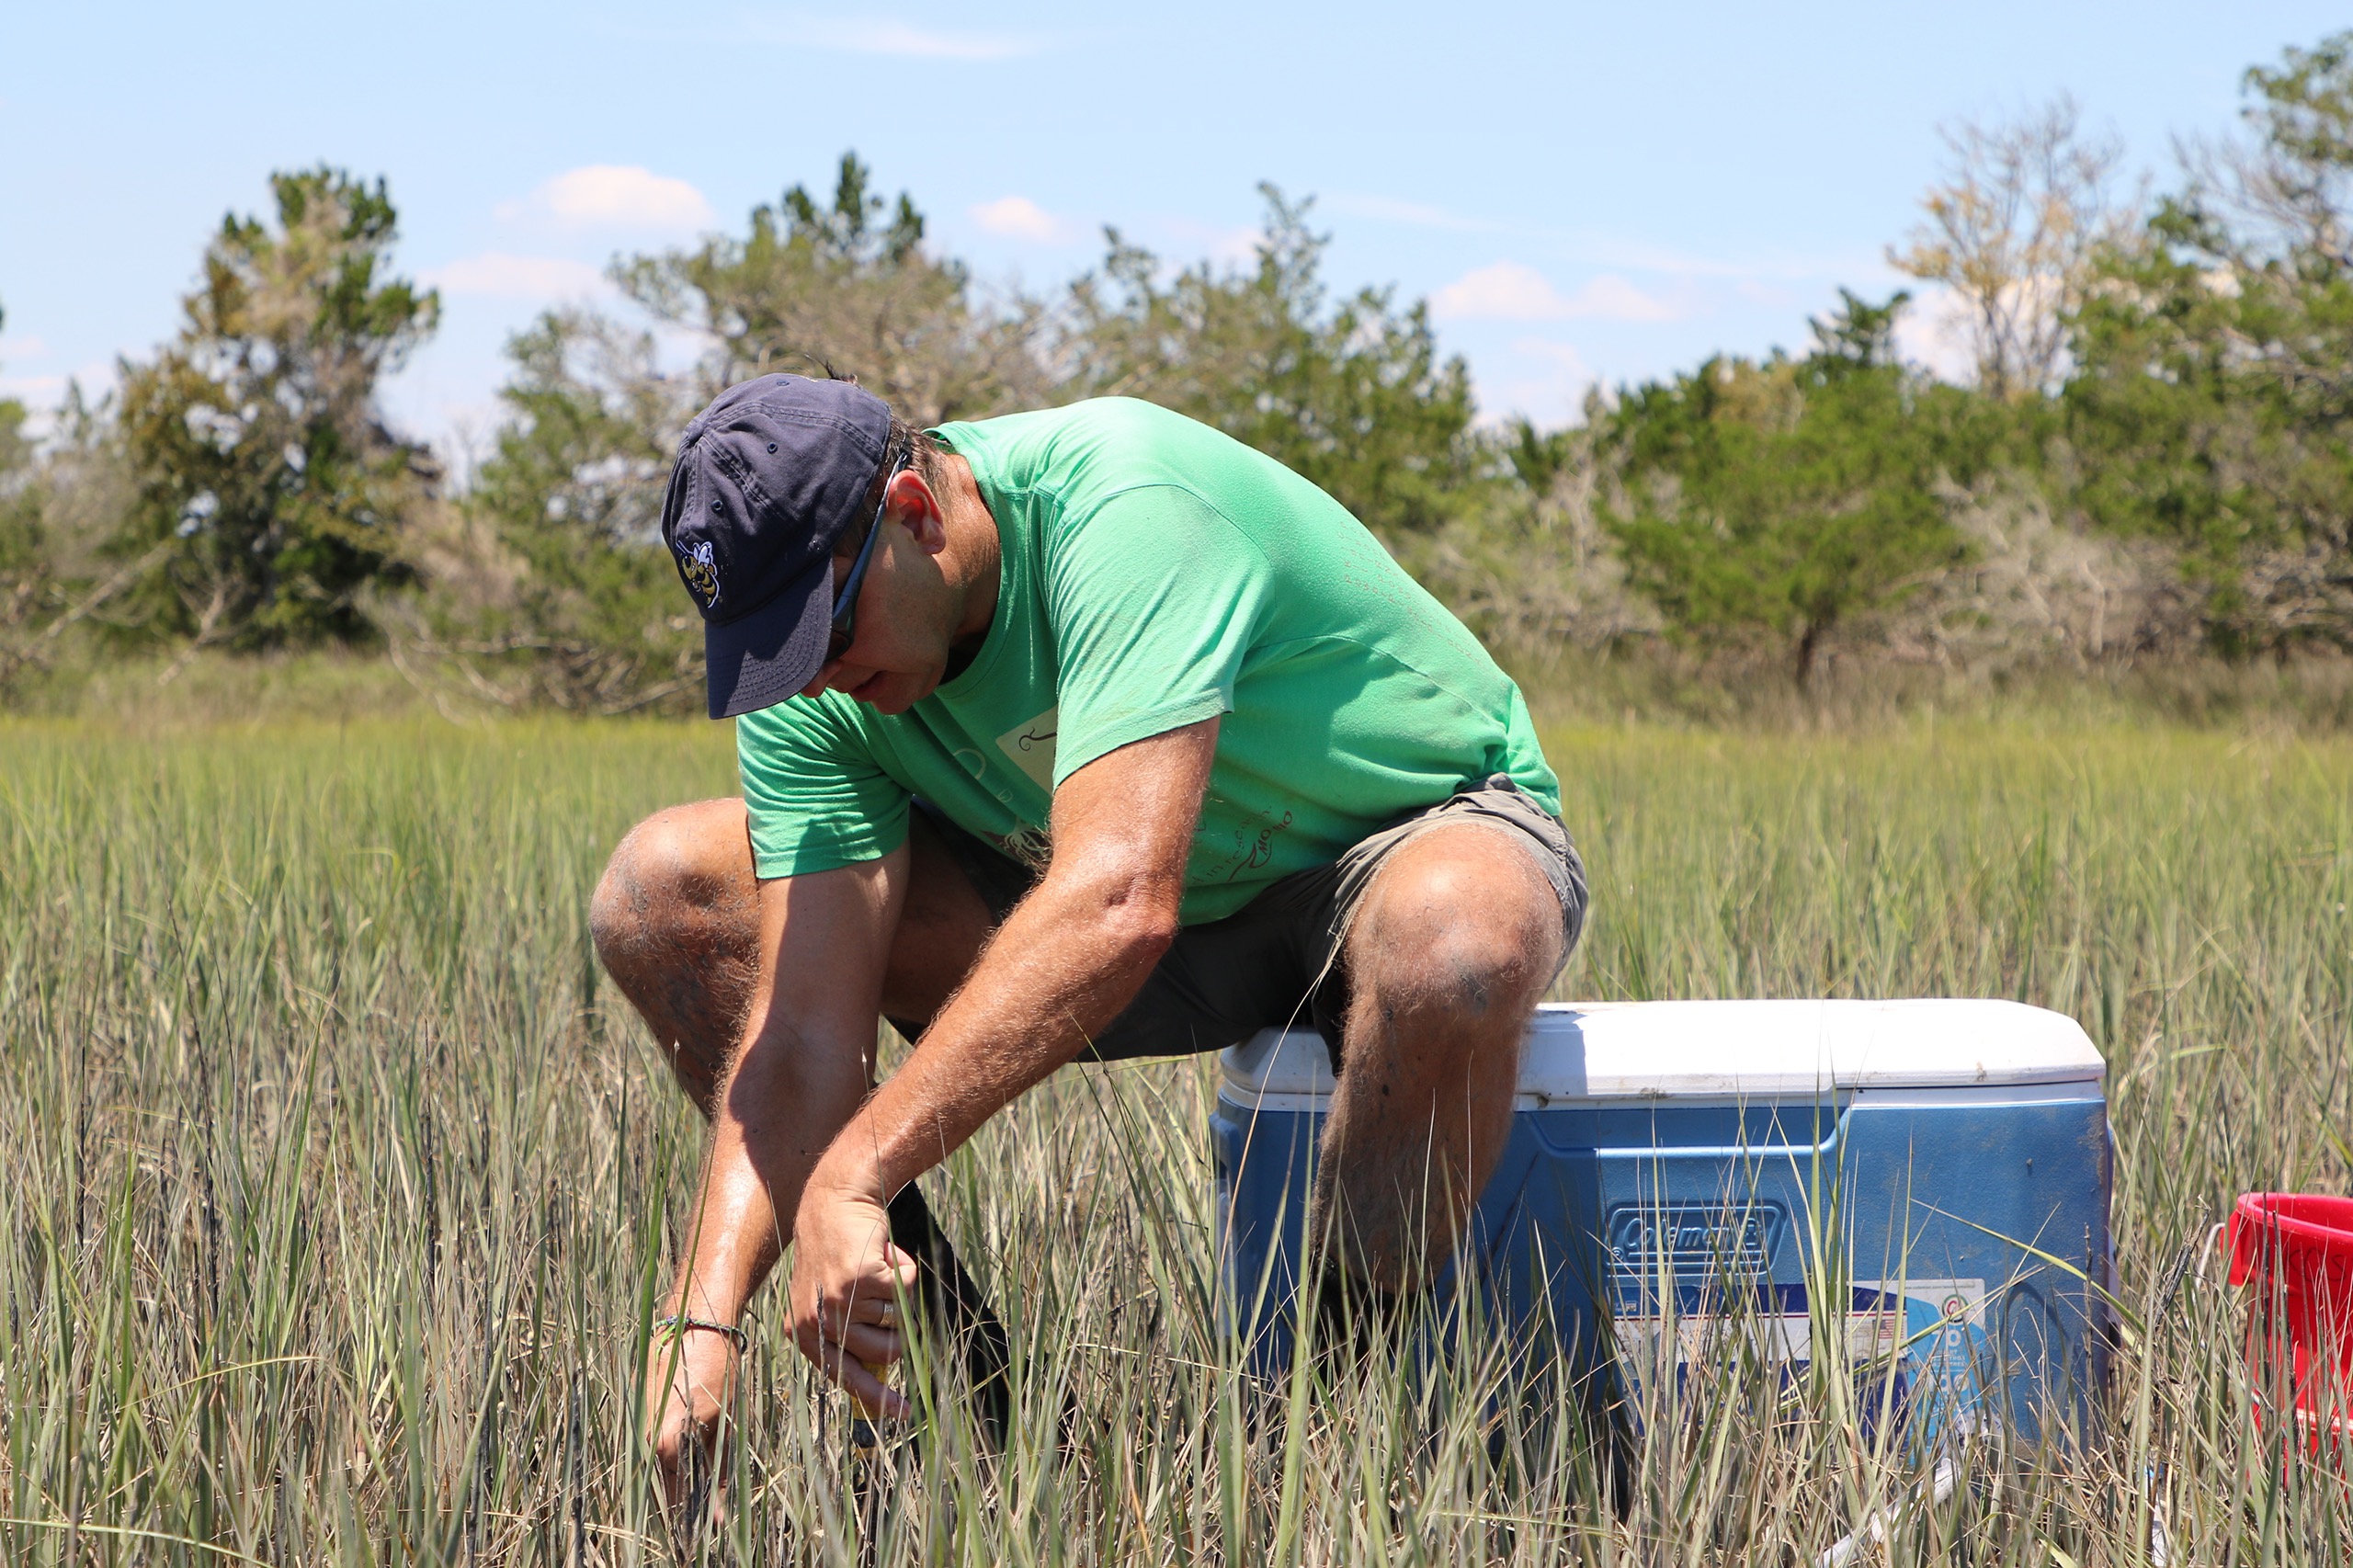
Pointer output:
894, 694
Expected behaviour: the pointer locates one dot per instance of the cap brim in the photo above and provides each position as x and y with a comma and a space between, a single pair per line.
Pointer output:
758, 660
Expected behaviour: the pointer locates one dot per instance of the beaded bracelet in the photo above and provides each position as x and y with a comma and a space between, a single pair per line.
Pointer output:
683, 1322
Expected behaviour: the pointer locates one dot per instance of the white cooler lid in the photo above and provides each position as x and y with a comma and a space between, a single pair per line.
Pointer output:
1753, 1049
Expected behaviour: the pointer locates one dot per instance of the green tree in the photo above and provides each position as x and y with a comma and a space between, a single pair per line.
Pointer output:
1780, 500
268, 484
24, 580
16, 451
554, 589
2212, 406
1354, 396
847, 288
574, 602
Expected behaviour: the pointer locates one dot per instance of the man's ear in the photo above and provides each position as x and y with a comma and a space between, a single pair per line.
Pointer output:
912, 504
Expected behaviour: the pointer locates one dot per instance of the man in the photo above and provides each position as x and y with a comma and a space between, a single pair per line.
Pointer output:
1086, 733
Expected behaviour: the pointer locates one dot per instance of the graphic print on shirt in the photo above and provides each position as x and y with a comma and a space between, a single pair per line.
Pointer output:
1253, 846
1031, 746
1033, 847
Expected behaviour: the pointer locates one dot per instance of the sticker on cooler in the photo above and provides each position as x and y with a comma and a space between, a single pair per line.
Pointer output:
1945, 1349
1930, 1322
1933, 1330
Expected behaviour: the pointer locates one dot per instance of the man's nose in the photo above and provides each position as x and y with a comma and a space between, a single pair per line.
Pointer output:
828, 674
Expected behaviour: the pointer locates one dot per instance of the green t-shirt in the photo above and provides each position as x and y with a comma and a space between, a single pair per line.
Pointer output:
1156, 573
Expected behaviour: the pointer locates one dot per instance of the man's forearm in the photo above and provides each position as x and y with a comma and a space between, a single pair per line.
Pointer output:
1067, 960
797, 1077
776, 1112
732, 1244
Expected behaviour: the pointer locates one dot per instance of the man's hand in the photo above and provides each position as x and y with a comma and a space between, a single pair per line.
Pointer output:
790, 1133
849, 1288
690, 1375
1067, 958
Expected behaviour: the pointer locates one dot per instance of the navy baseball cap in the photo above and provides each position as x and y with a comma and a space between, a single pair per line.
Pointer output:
768, 479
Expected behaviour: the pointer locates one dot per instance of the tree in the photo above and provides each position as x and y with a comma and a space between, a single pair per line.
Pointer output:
61, 505
2213, 404
553, 589
2014, 230
16, 451
846, 288
565, 595
1782, 500
561, 593
268, 485
1528, 564
1355, 396
25, 587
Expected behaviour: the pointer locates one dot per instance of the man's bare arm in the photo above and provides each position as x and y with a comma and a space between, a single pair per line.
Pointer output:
799, 1075
1067, 960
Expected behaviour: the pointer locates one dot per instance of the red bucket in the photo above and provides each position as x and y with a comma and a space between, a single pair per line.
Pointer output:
2297, 1249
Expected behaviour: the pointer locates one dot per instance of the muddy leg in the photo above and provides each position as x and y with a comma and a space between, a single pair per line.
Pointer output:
1450, 950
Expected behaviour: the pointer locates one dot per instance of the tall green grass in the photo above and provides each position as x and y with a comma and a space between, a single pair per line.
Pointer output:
337, 1187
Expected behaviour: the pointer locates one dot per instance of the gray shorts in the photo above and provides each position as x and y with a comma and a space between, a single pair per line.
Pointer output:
1279, 959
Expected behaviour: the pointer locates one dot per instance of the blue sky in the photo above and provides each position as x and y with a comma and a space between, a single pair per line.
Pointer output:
1583, 191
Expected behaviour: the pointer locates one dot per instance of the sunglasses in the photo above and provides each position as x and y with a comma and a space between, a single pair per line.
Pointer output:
845, 630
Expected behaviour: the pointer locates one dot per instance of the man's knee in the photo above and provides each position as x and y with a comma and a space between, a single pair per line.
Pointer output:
1466, 923
678, 869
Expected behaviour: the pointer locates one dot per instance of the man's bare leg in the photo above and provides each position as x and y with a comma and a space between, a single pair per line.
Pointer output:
676, 921
1451, 948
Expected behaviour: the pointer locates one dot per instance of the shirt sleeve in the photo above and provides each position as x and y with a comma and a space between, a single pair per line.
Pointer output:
1154, 599
817, 796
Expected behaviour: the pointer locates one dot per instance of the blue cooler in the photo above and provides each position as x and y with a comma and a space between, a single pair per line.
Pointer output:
1927, 1181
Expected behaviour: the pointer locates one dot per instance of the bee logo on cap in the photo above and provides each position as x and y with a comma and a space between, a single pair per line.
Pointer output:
700, 569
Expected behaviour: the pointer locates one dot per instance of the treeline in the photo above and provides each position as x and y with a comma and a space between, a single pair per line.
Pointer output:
2152, 457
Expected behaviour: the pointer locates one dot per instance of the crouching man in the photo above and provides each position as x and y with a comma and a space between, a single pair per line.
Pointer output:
1086, 733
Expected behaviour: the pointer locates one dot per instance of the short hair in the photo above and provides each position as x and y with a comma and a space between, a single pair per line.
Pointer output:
905, 447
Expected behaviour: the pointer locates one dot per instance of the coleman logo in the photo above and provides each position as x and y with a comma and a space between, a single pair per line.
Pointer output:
1692, 1241
701, 573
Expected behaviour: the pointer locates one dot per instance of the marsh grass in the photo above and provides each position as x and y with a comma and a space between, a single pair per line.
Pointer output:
339, 1188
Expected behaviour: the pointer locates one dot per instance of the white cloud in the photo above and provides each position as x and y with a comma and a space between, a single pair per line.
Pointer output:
1018, 217
616, 196
1554, 397
1931, 333
1611, 298
1935, 330
506, 276
1539, 379
1563, 355
1510, 291
22, 347
1230, 245
1506, 290
33, 389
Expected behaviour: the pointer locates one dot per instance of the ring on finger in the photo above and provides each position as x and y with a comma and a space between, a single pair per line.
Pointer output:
890, 1316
